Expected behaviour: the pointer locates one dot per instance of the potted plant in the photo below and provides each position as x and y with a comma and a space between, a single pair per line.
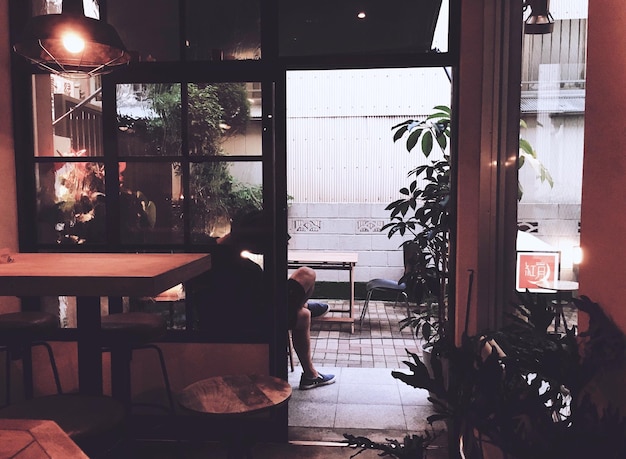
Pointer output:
523, 392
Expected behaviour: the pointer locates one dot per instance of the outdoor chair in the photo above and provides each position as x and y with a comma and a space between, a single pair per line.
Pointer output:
384, 285
393, 286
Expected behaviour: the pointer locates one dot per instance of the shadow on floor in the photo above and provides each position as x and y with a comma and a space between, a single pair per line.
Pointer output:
165, 450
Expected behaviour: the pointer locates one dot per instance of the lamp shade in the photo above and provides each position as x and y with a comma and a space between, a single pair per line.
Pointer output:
44, 43
540, 20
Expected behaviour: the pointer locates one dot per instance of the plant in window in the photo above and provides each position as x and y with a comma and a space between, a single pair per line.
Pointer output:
528, 155
78, 209
215, 112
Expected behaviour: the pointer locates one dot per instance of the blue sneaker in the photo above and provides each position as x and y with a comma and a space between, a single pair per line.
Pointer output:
318, 309
321, 380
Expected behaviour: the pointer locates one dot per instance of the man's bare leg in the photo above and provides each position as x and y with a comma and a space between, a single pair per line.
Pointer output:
301, 332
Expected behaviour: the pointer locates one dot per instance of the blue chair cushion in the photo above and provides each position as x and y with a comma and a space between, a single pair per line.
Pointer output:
385, 284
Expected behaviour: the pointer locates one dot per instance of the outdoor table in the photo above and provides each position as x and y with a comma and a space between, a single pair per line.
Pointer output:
36, 439
562, 288
89, 276
333, 261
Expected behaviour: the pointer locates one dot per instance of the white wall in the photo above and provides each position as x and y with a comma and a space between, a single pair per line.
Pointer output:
343, 167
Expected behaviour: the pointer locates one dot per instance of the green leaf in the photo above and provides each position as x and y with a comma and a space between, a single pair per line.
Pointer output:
399, 133
411, 141
427, 143
525, 146
442, 140
404, 123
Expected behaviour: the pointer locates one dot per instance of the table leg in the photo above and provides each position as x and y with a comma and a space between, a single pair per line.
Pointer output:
89, 353
352, 298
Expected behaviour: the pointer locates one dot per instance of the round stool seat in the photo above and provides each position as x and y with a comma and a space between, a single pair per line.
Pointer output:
90, 421
28, 321
139, 327
235, 394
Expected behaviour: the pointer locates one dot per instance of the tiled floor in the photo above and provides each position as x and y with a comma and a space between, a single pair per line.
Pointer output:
366, 399
378, 343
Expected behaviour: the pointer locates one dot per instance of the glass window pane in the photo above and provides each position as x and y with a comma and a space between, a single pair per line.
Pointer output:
39, 7
330, 27
71, 205
150, 210
148, 119
220, 191
552, 120
67, 115
148, 28
225, 119
223, 30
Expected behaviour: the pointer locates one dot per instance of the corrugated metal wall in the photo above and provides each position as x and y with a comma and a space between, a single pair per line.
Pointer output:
339, 140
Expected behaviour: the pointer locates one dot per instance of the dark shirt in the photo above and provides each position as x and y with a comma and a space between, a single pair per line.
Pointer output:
230, 300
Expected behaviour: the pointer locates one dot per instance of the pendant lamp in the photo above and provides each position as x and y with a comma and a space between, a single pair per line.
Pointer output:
540, 20
71, 43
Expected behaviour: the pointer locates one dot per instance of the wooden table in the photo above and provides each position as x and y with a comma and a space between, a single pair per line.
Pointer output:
328, 260
231, 397
89, 276
24, 438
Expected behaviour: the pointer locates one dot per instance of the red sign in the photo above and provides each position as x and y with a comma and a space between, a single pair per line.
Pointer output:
534, 268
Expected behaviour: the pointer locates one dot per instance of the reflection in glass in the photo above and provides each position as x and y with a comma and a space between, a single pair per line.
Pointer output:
148, 119
71, 205
149, 28
219, 191
330, 27
218, 112
223, 30
150, 203
554, 70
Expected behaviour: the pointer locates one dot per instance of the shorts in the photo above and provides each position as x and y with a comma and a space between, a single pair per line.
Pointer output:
295, 300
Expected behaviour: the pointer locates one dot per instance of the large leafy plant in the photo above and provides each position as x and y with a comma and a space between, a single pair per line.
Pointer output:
526, 390
423, 214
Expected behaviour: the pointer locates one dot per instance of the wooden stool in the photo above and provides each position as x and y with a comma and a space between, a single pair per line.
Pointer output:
233, 397
125, 333
19, 333
94, 423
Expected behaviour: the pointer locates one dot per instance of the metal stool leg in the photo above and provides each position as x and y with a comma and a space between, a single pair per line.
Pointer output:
166, 379
26, 356
55, 371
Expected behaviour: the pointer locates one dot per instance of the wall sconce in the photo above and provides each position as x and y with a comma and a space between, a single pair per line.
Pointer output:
540, 20
71, 43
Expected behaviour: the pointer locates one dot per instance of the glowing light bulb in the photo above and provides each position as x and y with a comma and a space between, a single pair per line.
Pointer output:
361, 15
73, 43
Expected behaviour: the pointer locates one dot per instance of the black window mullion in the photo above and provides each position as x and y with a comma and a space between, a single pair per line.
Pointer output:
111, 164
184, 164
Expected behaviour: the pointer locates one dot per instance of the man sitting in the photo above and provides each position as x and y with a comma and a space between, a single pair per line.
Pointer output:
230, 293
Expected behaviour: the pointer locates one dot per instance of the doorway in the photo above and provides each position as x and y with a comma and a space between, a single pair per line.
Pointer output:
343, 168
